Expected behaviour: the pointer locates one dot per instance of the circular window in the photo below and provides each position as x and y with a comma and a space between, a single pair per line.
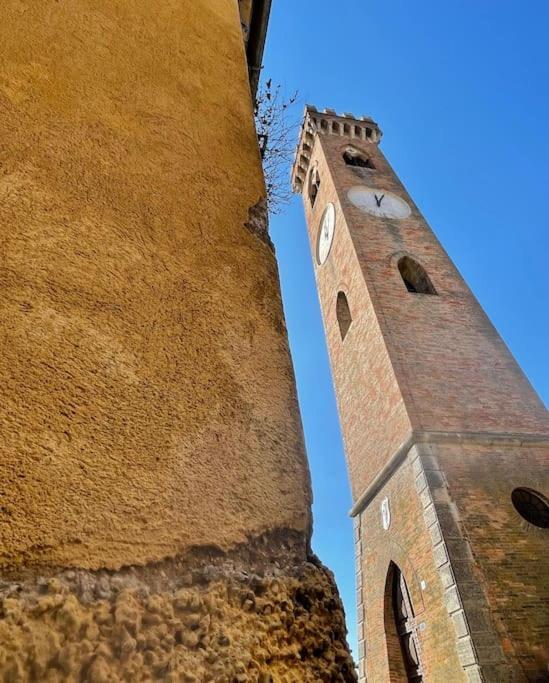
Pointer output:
532, 506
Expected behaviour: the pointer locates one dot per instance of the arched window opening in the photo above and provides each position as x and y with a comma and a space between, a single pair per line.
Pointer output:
343, 313
415, 276
369, 132
532, 506
352, 157
400, 630
324, 125
335, 127
314, 185
358, 131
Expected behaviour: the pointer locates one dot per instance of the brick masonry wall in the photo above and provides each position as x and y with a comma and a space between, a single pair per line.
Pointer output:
475, 569
408, 360
408, 544
453, 369
504, 557
373, 416
431, 370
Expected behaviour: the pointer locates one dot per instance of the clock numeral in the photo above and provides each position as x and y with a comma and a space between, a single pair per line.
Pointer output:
379, 199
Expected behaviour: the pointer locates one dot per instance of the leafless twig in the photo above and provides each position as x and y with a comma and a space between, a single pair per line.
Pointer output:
276, 133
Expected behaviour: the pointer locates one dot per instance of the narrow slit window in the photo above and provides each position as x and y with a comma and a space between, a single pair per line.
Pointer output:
415, 276
343, 313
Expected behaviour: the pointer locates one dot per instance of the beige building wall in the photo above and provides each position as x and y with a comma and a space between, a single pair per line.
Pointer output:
148, 401
154, 492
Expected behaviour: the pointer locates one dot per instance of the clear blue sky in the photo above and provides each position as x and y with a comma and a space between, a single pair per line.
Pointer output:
461, 91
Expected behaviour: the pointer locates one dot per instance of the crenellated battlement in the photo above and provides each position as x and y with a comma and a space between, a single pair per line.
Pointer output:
328, 122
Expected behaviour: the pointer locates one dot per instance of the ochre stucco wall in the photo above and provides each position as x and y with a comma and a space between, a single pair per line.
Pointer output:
147, 397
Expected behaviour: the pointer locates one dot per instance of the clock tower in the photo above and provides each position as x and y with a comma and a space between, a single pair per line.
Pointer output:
446, 442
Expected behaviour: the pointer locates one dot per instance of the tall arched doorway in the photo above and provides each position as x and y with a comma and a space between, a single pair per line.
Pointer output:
400, 630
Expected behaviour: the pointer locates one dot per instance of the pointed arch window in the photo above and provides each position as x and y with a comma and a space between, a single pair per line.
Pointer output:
343, 313
400, 630
415, 276
314, 185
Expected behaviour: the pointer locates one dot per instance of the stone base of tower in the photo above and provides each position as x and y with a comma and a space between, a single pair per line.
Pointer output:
263, 613
440, 518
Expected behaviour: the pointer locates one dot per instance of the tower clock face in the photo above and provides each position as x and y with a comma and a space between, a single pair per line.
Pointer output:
378, 202
326, 233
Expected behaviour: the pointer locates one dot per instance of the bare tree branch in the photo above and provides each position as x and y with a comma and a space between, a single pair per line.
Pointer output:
276, 134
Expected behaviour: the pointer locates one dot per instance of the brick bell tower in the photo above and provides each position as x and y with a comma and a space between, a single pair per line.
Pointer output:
446, 442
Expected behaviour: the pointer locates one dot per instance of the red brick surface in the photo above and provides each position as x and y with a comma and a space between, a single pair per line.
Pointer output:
431, 368
407, 543
408, 360
511, 558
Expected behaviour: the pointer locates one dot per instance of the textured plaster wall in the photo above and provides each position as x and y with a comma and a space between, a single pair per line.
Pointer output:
147, 397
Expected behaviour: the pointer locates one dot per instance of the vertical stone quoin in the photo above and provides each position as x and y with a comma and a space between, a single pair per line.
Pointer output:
447, 444
154, 490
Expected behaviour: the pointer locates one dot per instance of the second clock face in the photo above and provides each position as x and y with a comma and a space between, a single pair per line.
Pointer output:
378, 202
326, 233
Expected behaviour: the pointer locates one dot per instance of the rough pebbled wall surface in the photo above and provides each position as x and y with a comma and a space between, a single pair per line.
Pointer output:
147, 394
259, 615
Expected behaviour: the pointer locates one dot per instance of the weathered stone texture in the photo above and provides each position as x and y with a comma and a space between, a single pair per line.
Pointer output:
220, 619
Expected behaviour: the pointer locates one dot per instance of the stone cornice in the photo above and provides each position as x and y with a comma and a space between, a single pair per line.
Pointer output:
427, 437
